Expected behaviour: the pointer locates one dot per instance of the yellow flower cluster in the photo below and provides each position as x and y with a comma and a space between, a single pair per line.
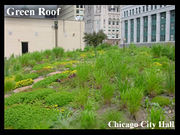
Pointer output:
157, 64
73, 72
69, 72
24, 83
66, 72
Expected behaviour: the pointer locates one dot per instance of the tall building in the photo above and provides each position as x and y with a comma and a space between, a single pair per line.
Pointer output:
106, 18
71, 12
148, 24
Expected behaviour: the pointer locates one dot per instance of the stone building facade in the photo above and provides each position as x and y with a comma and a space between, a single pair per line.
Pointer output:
71, 12
147, 24
106, 18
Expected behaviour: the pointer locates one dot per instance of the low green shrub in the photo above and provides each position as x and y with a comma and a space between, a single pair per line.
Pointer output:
31, 75
161, 100
60, 98
25, 82
20, 76
28, 97
41, 66
132, 99
48, 80
25, 116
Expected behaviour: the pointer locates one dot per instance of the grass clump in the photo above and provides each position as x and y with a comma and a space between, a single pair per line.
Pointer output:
25, 116
108, 92
162, 101
153, 82
28, 97
60, 98
132, 99
88, 119
111, 115
9, 84
58, 52
170, 79
156, 114
164, 50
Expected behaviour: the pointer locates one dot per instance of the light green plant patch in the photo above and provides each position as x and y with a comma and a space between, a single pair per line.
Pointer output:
25, 116
60, 98
161, 100
28, 97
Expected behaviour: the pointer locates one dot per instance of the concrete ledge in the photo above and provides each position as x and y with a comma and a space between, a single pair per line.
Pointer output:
146, 44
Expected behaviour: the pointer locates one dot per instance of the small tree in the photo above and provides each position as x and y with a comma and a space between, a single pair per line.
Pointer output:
94, 39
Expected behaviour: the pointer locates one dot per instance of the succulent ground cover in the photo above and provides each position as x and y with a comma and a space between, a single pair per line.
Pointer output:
95, 86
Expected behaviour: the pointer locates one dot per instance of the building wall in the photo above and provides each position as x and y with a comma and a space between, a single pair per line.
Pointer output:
70, 34
40, 35
129, 14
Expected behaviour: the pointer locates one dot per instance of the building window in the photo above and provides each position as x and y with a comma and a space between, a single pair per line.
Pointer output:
143, 8
132, 30
77, 6
117, 23
163, 26
124, 14
77, 11
139, 10
172, 25
113, 23
109, 22
126, 31
132, 11
155, 7
153, 28
145, 30
138, 29
81, 6
127, 13
117, 36
151, 7
136, 10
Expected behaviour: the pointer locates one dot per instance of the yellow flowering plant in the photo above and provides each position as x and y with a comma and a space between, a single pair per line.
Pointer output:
24, 83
